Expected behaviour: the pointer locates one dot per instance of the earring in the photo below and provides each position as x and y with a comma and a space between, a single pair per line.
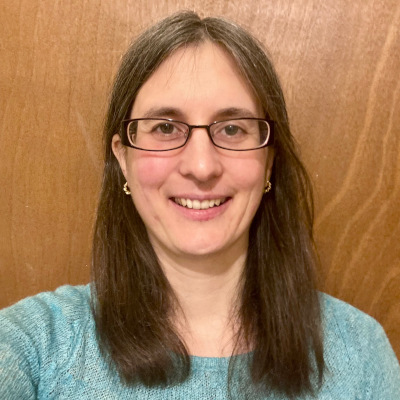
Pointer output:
268, 186
126, 189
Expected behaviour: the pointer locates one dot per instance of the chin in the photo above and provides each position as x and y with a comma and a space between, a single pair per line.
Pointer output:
203, 249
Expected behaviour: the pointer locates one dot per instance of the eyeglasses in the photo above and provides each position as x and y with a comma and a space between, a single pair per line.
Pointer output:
238, 134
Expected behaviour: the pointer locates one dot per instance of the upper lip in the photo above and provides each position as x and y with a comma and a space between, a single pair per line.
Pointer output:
200, 197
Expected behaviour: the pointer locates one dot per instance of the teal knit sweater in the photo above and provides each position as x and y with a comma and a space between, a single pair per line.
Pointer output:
48, 350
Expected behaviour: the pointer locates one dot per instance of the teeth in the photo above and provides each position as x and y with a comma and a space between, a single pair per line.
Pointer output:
205, 204
197, 204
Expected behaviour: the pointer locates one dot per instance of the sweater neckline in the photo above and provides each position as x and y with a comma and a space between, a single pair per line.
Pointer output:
215, 363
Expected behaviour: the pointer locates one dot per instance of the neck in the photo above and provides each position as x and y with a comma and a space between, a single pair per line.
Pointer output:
206, 288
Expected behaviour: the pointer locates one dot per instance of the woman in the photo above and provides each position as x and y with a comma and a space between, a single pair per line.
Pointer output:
203, 258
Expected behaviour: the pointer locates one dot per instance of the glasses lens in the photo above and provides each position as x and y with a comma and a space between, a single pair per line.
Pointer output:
157, 134
241, 134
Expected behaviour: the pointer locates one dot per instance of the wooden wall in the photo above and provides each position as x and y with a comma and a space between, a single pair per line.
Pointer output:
339, 63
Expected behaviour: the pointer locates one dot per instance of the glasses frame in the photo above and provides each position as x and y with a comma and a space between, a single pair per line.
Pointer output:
125, 141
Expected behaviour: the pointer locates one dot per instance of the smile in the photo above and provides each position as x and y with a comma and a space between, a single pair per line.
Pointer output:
199, 204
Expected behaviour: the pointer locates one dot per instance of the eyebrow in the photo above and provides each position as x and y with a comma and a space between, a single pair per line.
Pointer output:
234, 112
176, 113
163, 112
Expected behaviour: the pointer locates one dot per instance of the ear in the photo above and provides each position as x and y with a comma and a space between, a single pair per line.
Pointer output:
270, 163
119, 151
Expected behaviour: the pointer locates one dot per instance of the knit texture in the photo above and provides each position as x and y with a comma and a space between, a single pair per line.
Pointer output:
48, 350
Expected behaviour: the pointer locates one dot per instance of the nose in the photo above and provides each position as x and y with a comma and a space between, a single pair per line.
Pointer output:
200, 159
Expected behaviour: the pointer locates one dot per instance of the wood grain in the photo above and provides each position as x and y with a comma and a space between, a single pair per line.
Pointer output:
339, 64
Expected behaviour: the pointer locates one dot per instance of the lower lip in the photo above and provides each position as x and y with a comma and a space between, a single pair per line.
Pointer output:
202, 215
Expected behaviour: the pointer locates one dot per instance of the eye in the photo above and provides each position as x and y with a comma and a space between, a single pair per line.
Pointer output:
166, 128
231, 130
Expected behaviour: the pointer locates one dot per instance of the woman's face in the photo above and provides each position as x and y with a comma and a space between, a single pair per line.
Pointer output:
196, 85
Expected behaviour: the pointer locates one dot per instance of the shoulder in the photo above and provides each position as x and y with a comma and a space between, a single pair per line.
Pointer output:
68, 303
48, 320
357, 351
40, 334
341, 319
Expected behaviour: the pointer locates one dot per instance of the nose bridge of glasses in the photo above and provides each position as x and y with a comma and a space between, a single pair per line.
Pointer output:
206, 127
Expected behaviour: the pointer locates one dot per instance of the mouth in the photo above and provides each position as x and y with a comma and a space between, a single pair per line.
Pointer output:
199, 204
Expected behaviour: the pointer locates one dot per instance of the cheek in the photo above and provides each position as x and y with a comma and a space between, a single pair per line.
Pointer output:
146, 172
249, 175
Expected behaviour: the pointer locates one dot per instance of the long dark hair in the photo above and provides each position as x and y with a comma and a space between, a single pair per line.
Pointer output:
278, 310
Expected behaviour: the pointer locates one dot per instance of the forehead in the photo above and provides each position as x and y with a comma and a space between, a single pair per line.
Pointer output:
198, 77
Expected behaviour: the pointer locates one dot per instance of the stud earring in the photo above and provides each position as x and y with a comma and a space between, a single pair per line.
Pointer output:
268, 186
126, 189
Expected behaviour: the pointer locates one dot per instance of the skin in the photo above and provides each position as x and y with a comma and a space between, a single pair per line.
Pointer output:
202, 252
